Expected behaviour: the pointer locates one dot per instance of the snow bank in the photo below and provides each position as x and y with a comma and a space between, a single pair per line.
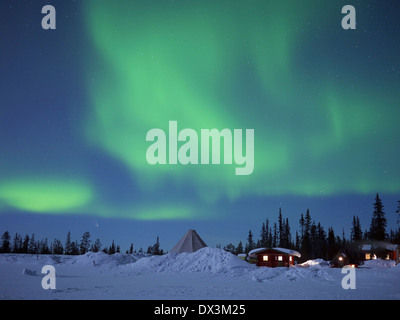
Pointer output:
315, 271
207, 259
22, 258
205, 274
223, 263
102, 259
379, 264
29, 272
315, 263
98, 259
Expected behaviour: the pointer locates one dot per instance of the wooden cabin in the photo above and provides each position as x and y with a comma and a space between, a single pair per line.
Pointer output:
344, 258
384, 250
276, 257
252, 255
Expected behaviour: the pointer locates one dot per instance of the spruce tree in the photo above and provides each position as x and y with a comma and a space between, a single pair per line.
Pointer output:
307, 222
302, 223
268, 234
356, 232
313, 241
396, 238
44, 247
85, 243
306, 249
74, 248
25, 245
263, 236
250, 242
239, 248
230, 248
275, 236
155, 249
280, 229
32, 244
270, 239
111, 250
377, 229
5, 245
68, 244
17, 243
332, 246
57, 247
297, 242
287, 238
96, 247
321, 245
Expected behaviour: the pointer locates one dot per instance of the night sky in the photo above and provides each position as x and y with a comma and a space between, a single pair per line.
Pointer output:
77, 102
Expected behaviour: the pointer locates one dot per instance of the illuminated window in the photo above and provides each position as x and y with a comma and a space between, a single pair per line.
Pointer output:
290, 258
265, 258
367, 256
280, 258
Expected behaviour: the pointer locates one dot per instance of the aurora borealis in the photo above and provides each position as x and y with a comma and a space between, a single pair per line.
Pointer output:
78, 101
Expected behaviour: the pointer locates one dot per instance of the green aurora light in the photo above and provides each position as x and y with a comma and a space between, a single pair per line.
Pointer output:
45, 195
323, 103
213, 65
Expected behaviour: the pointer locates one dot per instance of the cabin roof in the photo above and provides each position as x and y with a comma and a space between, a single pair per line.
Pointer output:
387, 246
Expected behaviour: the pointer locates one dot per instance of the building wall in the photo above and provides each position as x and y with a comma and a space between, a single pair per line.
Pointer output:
368, 255
274, 259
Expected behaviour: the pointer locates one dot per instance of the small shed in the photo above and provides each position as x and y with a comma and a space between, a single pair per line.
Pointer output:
276, 257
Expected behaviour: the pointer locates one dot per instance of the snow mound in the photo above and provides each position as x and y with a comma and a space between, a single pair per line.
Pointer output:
319, 263
291, 274
316, 269
207, 259
24, 258
29, 272
379, 264
102, 259
396, 269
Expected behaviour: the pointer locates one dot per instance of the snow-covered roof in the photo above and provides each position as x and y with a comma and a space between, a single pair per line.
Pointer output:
387, 246
288, 251
254, 251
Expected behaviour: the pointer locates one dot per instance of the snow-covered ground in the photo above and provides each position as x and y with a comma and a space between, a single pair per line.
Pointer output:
208, 273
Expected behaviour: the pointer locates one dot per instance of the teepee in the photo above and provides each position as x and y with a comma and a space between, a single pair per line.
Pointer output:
190, 242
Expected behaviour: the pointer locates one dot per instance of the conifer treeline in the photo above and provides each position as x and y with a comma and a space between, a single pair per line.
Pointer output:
312, 240
31, 246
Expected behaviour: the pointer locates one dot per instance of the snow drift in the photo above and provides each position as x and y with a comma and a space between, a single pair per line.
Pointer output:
208, 273
101, 259
207, 259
